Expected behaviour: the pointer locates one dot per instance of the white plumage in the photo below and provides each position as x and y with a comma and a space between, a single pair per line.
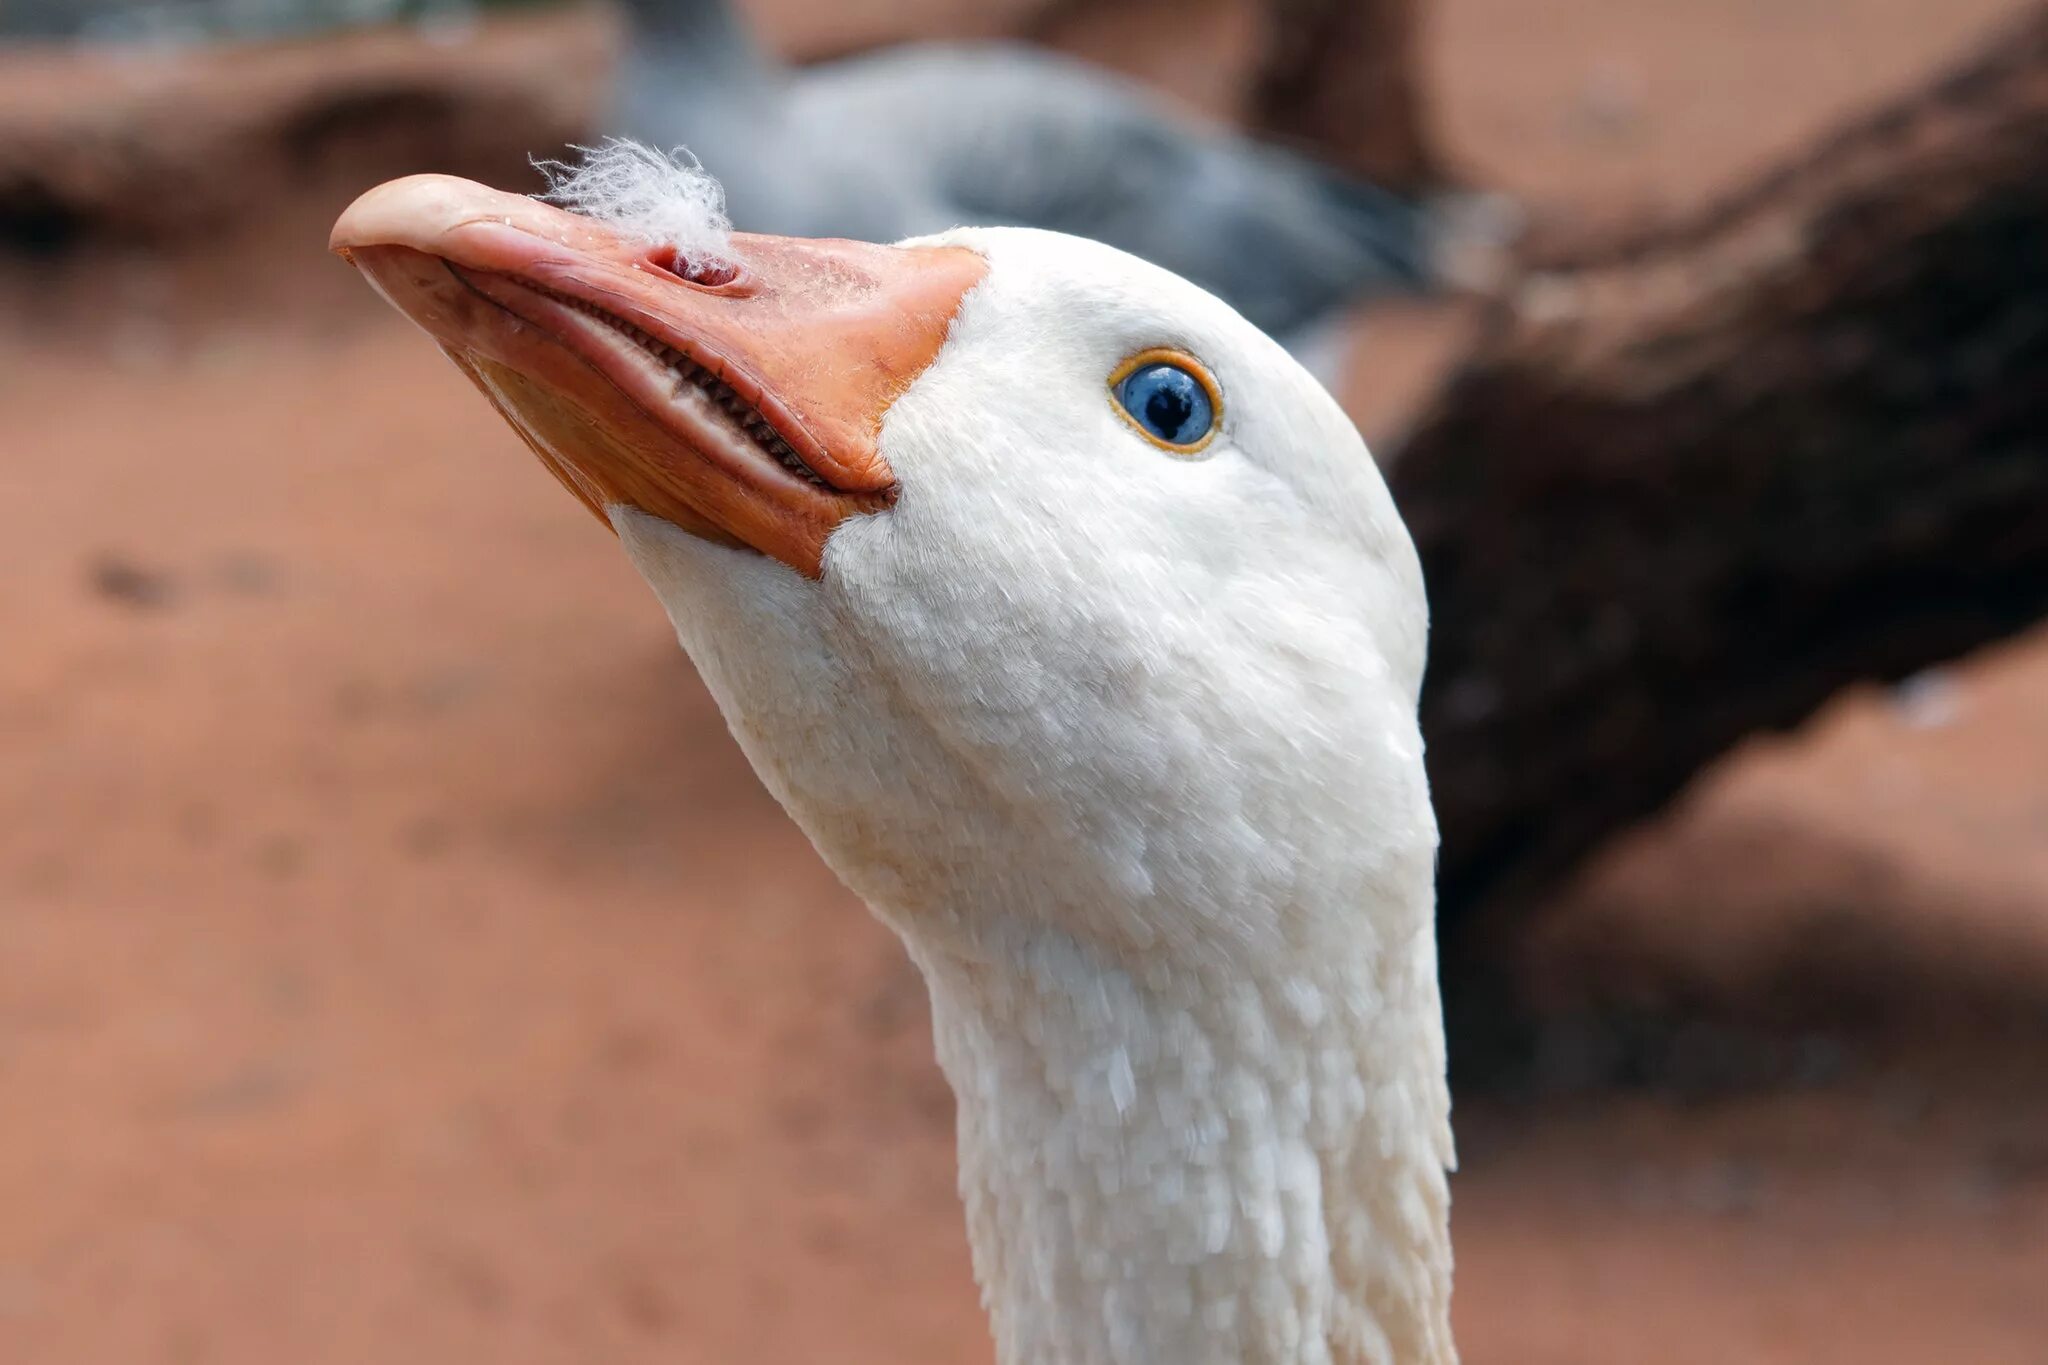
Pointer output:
1124, 747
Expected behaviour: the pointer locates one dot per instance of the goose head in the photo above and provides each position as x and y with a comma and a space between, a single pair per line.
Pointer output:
1071, 620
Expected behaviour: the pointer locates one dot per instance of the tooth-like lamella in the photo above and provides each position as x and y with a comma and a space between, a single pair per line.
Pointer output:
697, 382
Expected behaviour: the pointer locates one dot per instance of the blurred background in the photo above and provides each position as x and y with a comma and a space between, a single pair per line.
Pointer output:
398, 961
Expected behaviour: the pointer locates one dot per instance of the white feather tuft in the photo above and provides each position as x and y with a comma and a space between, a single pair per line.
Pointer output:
667, 198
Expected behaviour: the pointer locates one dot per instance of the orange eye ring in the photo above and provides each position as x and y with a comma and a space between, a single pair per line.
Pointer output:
1179, 359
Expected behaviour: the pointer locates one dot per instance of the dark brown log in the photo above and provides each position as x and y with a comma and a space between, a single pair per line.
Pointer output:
149, 146
1686, 490
1338, 79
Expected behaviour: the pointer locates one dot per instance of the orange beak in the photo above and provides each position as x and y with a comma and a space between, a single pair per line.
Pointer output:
743, 404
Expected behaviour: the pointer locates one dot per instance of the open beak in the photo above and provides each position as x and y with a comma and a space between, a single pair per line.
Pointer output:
741, 401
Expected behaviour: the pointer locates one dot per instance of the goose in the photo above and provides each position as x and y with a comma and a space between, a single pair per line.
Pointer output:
916, 138
1070, 619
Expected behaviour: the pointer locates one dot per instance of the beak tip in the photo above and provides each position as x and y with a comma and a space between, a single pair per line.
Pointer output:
411, 211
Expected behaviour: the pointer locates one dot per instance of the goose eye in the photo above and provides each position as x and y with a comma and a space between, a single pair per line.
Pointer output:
1169, 398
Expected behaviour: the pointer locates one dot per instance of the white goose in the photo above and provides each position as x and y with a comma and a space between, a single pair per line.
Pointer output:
1071, 620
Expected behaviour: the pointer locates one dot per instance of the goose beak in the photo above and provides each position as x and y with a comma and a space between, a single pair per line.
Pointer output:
741, 401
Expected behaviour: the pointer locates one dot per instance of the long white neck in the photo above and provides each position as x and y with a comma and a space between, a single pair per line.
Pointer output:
1205, 1167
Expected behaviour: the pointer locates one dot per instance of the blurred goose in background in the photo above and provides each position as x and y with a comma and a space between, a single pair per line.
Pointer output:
1071, 620
923, 137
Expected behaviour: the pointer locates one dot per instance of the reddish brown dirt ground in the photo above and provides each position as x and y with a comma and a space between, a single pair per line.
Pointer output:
398, 961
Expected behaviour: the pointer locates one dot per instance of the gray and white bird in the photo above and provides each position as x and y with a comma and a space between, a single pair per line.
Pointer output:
920, 138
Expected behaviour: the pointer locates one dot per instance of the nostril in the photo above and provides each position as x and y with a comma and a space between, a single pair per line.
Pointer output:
707, 273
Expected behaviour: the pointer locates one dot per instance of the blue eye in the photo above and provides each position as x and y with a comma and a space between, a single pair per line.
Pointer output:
1168, 403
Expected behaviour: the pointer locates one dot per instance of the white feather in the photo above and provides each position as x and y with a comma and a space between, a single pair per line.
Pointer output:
665, 198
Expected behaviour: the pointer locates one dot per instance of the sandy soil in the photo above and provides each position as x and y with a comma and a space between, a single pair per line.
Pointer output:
398, 961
